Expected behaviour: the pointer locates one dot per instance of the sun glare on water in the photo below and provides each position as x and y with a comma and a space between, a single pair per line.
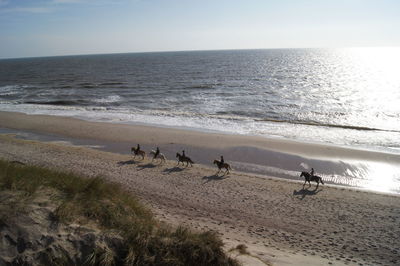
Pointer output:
374, 83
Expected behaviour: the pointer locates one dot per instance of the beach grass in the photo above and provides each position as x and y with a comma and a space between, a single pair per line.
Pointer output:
93, 200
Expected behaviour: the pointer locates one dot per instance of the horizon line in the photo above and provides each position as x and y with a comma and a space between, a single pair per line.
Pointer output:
197, 50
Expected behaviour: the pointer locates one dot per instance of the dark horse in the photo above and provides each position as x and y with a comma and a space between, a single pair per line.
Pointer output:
308, 177
222, 165
138, 152
184, 159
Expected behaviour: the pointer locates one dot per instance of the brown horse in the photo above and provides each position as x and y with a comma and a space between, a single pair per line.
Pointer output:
222, 165
138, 152
184, 159
308, 177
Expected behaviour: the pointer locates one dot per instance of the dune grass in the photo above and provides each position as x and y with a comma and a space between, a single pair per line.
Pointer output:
146, 241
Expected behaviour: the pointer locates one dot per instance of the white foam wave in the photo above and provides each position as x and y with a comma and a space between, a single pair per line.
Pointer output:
108, 99
11, 89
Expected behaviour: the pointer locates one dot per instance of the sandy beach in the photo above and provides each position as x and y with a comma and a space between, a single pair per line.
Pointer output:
279, 221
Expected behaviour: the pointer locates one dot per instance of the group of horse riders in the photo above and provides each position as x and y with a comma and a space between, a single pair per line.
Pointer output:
181, 158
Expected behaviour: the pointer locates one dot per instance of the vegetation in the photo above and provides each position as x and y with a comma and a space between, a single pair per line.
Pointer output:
242, 249
145, 241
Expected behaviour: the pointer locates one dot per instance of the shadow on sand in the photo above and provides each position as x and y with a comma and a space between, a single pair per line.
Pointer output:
120, 163
214, 177
302, 193
173, 170
146, 166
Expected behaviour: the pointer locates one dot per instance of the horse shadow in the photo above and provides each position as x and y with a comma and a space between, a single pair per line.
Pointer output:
214, 177
173, 170
146, 166
120, 163
302, 193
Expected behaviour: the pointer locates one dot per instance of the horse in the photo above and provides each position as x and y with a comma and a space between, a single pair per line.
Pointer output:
138, 152
159, 156
308, 177
222, 165
183, 159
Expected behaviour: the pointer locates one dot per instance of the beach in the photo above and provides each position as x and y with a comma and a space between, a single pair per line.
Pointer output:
280, 222
277, 157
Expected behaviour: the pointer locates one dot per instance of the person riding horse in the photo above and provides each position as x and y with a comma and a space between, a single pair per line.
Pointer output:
308, 177
157, 153
312, 172
183, 154
137, 151
222, 160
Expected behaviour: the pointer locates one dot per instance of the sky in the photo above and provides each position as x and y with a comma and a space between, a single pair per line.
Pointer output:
31, 28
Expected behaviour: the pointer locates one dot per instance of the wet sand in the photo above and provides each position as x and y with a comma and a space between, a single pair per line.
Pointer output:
280, 221
264, 156
76, 128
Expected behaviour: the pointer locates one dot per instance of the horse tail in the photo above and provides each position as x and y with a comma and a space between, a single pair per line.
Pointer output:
190, 160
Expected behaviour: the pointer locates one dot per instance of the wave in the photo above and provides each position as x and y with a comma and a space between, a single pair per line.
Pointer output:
204, 87
112, 83
59, 102
87, 85
108, 99
312, 123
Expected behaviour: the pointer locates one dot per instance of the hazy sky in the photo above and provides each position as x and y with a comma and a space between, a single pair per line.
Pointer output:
61, 27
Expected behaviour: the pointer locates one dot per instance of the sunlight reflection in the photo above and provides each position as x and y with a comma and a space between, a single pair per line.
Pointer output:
364, 86
383, 177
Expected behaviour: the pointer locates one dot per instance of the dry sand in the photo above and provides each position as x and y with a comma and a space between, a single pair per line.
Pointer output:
281, 223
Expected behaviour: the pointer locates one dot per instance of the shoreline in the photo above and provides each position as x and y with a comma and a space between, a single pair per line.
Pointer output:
257, 155
57, 125
279, 222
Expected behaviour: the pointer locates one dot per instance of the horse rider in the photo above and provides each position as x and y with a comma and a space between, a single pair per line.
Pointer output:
138, 148
157, 153
222, 160
183, 154
312, 172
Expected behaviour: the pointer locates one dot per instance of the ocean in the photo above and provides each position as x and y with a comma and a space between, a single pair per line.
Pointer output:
347, 97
